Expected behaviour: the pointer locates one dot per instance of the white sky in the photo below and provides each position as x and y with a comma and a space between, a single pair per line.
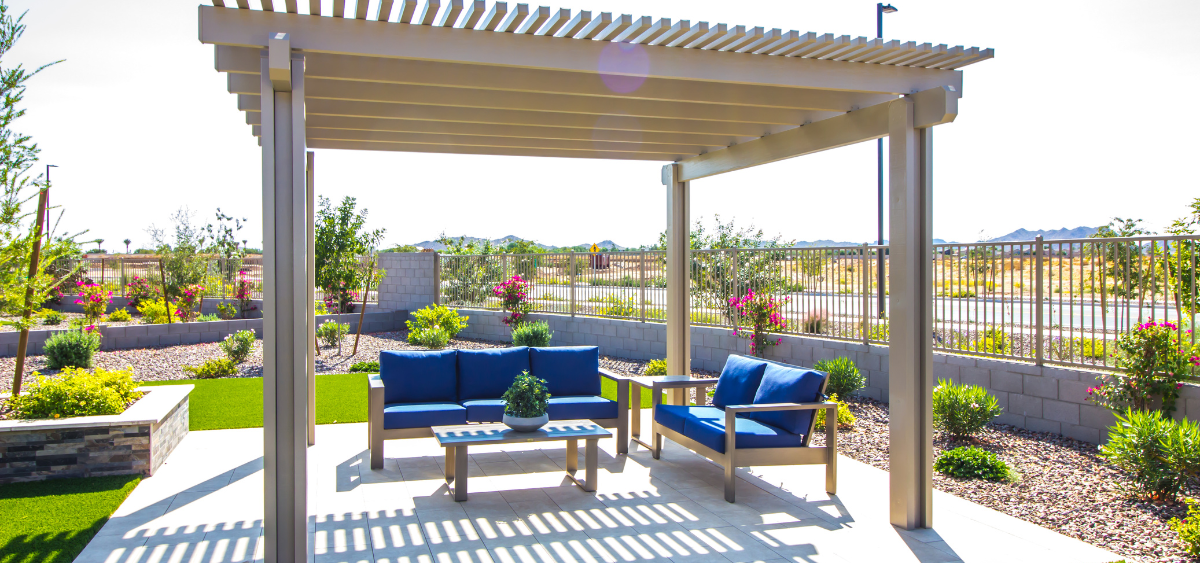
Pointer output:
1077, 119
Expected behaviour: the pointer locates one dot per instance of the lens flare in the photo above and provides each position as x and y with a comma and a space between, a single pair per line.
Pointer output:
623, 67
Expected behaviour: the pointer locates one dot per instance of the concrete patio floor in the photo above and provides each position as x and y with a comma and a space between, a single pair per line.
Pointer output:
205, 504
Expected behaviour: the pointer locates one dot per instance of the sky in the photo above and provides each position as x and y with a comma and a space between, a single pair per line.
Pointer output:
1073, 122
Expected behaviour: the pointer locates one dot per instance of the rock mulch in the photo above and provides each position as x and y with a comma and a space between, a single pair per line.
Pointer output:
1063, 485
67, 317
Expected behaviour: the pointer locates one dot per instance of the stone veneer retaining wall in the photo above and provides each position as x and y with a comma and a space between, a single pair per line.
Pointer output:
1042, 398
137, 441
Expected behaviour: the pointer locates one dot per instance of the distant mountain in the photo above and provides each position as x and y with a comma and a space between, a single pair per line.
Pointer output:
1026, 234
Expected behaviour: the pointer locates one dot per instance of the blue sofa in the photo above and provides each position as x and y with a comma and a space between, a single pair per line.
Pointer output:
763, 413
415, 390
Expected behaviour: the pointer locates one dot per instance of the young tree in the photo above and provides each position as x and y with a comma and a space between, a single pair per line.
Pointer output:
341, 244
183, 263
1181, 261
225, 243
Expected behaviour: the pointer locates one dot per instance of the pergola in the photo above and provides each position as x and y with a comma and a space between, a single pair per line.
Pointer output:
467, 77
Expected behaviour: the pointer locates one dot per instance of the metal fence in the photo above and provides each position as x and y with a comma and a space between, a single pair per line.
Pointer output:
1058, 302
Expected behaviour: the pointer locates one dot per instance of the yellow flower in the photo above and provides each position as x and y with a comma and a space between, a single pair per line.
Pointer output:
55, 415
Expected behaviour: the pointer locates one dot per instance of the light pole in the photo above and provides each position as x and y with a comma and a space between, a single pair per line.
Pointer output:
881, 277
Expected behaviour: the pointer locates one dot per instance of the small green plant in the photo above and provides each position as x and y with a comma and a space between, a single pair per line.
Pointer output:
656, 367
534, 333
76, 323
962, 410
845, 418
1189, 529
76, 392
433, 338
962, 293
237, 346
73, 348
616, 306
972, 463
330, 333
155, 312
228, 311
1159, 452
880, 332
993, 341
365, 367
813, 322
527, 397
426, 323
216, 367
51, 317
120, 316
844, 377
207, 318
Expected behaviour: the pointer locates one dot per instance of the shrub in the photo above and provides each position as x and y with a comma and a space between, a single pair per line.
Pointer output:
880, 332
73, 348
972, 463
1155, 366
155, 312
527, 397
93, 298
189, 303
51, 317
962, 410
513, 294
844, 377
76, 392
139, 290
813, 322
1159, 452
656, 367
615, 306
216, 367
433, 338
237, 346
763, 314
120, 316
845, 418
536, 333
365, 367
226, 311
331, 332
434, 318
993, 341
208, 318
77, 323
1189, 529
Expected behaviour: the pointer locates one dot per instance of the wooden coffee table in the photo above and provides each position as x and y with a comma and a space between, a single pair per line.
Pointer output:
456, 439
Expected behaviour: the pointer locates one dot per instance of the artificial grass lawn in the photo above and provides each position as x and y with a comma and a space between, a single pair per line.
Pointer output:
217, 404
52, 521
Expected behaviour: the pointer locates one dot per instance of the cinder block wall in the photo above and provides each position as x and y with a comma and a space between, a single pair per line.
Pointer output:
409, 281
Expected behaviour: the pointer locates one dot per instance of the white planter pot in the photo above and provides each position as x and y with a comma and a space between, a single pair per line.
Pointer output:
528, 424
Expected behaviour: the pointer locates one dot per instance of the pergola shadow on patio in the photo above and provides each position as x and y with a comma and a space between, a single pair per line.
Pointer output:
472, 78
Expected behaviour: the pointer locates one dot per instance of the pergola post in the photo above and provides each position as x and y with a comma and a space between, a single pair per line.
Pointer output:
285, 319
679, 272
310, 341
910, 359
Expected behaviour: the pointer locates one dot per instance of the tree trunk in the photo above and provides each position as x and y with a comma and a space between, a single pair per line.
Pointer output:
23, 341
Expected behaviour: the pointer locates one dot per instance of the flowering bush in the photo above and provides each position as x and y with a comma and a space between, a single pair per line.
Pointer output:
237, 346
188, 304
1154, 363
139, 290
962, 410
339, 298
1189, 529
243, 293
763, 314
513, 294
94, 300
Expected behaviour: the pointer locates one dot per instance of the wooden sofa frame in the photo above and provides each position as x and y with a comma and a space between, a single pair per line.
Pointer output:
733, 457
376, 433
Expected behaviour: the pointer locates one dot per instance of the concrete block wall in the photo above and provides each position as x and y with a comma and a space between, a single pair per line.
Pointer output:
409, 283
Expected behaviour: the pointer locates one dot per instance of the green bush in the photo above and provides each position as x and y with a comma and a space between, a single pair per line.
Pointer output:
216, 367
656, 367
845, 418
432, 338
76, 392
962, 410
844, 377
237, 346
880, 332
207, 318
527, 397
365, 367
120, 316
76, 323
1160, 452
535, 333
73, 348
155, 311
615, 306
1189, 529
427, 323
51, 317
972, 463
229, 311
994, 341
331, 333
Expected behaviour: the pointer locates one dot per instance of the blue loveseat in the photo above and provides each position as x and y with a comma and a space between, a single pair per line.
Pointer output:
415, 390
762, 414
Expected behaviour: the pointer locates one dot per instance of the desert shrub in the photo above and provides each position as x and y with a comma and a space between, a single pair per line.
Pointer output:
120, 316
73, 348
431, 319
962, 410
536, 333
76, 392
656, 367
1159, 452
330, 333
972, 463
527, 397
432, 337
1189, 529
51, 317
993, 341
227, 311
845, 418
365, 367
155, 312
844, 377
813, 322
216, 367
616, 306
237, 346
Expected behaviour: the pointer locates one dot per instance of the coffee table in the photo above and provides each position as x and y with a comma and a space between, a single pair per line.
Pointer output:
456, 439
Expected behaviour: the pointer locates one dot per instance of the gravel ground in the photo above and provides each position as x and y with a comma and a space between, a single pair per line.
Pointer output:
66, 319
1064, 485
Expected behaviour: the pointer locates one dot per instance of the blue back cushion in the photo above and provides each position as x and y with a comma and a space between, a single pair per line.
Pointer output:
781, 384
738, 382
418, 376
487, 374
568, 370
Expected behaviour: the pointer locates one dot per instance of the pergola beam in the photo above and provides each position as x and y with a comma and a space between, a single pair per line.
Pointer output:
663, 152
494, 151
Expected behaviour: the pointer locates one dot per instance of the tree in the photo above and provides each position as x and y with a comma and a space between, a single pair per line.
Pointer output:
127, 243
341, 244
1125, 262
183, 262
224, 244
468, 270
1182, 260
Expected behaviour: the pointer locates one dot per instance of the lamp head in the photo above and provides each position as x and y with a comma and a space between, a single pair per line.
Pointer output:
888, 8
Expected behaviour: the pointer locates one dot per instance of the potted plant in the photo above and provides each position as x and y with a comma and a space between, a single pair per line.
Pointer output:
525, 403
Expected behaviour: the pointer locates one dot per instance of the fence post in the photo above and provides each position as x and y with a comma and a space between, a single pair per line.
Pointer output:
504, 265
571, 266
642, 285
101, 273
737, 290
122, 259
437, 278
866, 303
1039, 327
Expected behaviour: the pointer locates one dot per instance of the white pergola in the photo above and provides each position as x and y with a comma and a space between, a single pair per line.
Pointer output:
468, 77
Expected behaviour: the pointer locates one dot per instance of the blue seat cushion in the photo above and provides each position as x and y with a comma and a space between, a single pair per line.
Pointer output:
568, 370
484, 410
418, 376
783, 384
422, 415
487, 374
673, 416
749, 433
587, 407
738, 382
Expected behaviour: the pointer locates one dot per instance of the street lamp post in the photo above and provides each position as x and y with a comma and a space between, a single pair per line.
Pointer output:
881, 276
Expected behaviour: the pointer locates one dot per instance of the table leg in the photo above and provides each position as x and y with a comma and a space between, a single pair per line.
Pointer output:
449, 464
636, 431
460, 473
592, 465
572, 456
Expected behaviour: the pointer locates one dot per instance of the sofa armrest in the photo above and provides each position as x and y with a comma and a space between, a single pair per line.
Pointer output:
766, 407
660, 385
374, 381
613, 375
375, 419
